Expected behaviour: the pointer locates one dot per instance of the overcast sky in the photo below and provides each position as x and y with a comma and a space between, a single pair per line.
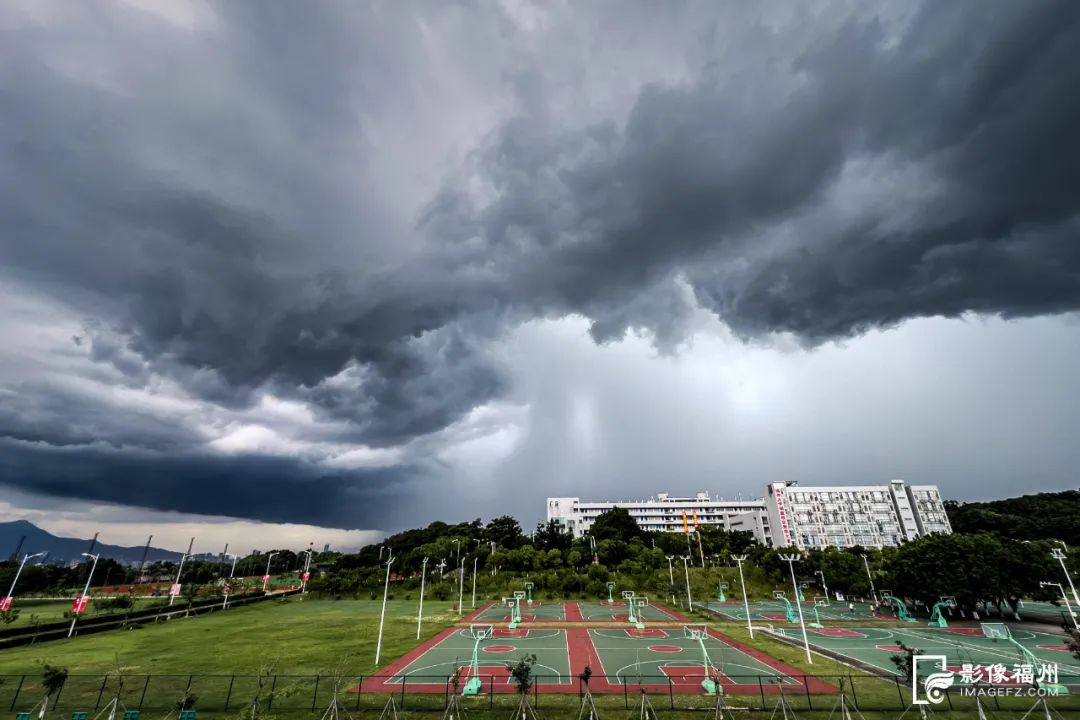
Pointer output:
315, 271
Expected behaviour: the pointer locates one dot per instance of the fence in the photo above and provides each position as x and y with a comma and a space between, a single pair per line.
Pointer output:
314, 693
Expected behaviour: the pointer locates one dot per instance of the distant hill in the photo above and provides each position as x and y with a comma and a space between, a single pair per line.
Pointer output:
1029, 517
63, 549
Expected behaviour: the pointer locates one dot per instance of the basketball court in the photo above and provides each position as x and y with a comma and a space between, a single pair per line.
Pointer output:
659, 651
773, 611
874, 646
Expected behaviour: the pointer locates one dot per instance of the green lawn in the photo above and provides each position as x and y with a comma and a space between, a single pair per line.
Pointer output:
50, 611
297, 635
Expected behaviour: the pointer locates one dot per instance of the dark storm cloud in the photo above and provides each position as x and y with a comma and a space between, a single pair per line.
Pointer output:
699, 174
220, 201
271, 489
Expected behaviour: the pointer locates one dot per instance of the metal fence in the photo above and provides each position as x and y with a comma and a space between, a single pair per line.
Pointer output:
314, 693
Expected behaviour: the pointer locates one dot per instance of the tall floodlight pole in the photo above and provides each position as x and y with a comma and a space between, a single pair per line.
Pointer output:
1060, 557
457, 550
442, 568
1064, 597
307, 568
266, 575
228, 583
75, 615
791, 560
671, 577
474, 560
420, 614
686, 572
869, 577
742, 583
461, 587
174, 591
11, 593
821, 574
382, 615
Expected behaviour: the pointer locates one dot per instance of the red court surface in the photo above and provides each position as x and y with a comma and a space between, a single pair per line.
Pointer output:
836, 632
970, 632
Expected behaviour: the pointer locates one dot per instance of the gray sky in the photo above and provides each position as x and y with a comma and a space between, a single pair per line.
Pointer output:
266, 269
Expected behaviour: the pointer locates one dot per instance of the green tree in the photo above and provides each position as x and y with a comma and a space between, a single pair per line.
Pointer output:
615, 524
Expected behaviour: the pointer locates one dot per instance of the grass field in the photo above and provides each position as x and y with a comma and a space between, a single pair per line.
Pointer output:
49, 611
297, 635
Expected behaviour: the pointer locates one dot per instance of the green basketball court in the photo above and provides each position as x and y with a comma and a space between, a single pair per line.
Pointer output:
538, 611
961, 645
617, 612
776, 611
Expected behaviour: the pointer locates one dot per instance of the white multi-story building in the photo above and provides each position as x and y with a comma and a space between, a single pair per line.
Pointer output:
789, 514
661, 513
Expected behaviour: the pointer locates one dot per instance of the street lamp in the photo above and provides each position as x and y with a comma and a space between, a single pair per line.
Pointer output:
80, 603
1060, 557
870, 577
686, 572
461, 587
228, 583
266, 575
382, 615
1064, 597
791, 560
420, 614
746, 602
5, 603
821, 574
474, 561
671, 577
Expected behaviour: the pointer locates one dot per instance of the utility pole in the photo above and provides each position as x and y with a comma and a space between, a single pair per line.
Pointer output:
80, 603
175, 589
461, 587
671, 577
474, 581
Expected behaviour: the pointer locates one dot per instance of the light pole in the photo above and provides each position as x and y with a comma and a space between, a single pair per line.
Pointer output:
307, 571
1064, 597
821, 574
671, 577
457, 550
382, 615
461, 587
228, 584
423, 578
686, 572
81, 602
870, 577
791, 560
442, 568
1060, 557
5, 603
474, 560
266, 575
175, 589
746, 602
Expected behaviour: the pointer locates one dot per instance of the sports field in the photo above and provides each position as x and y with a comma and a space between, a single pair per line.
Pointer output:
571, 636
874, 646
776, 611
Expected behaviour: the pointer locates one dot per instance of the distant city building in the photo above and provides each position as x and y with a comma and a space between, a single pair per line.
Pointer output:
326, 548
789, 514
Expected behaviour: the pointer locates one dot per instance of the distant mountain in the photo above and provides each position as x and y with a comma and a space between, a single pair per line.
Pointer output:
63, 549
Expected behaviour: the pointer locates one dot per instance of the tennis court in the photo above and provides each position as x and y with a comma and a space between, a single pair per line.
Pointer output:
874, 646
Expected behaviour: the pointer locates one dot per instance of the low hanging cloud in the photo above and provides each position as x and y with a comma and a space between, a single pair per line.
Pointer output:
347, 207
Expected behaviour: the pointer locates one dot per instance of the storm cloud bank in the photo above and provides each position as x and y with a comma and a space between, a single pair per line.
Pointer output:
345, 207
